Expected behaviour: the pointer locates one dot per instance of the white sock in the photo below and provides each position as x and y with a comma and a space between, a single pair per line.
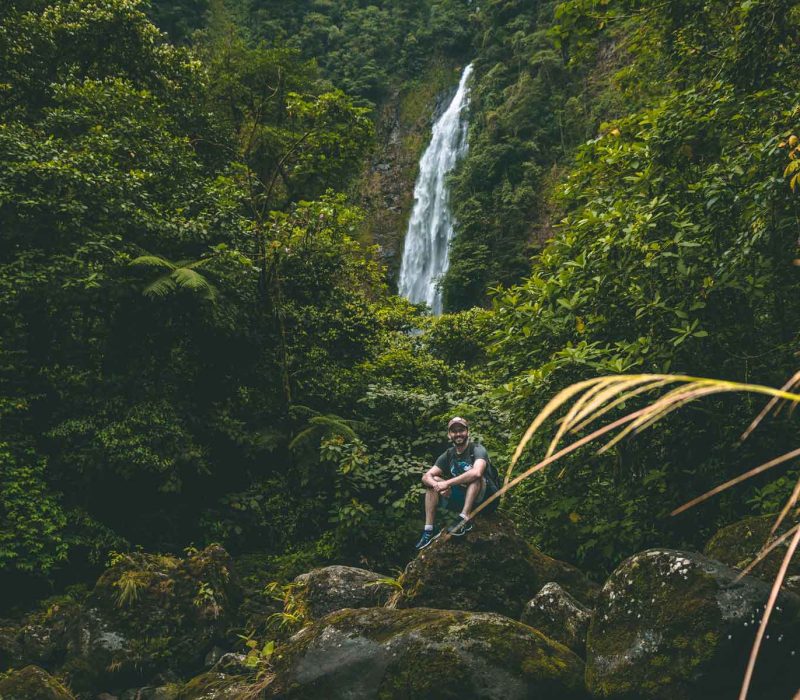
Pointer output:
464, 516
429, 528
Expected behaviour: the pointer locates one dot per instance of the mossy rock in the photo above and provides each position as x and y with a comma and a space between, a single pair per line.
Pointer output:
216, 686
42, 637
491, 569
32, 683
150, 613
147, 614
322, 591
423, 654
737, 545
10, 650
555, 613
677, 625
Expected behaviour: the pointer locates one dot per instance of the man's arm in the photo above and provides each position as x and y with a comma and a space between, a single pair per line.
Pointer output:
428, 477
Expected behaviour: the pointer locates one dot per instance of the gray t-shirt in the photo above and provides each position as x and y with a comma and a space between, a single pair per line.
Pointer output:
462, 462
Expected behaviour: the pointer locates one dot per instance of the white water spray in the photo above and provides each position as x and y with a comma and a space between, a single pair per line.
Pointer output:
426, 253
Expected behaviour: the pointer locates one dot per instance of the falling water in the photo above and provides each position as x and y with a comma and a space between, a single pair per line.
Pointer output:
430, 229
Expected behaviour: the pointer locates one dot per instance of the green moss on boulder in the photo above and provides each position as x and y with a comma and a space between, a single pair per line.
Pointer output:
214, 686
32, 683
676, 625
147, 614
737, 545
555, 613
322, 591
423, 654
492, 569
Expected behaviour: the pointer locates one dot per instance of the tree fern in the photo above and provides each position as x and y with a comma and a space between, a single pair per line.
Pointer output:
320, 426
182, 275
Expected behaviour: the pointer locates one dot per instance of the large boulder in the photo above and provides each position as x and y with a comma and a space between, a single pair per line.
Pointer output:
491, 569
331, 588
558, 615
423, 654
676, 625
146, 615
737, 545
32, 683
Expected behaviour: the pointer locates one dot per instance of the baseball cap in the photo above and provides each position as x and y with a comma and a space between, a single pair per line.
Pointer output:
456, 420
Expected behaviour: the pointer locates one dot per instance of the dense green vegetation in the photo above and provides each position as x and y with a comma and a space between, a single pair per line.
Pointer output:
196, 345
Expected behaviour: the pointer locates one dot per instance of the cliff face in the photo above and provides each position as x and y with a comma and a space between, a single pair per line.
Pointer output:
385, 189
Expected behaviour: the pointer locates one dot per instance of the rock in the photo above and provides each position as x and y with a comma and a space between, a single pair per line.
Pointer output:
737, 545
322, 591
423, 654
492, 569
147, 616
41, 638
213, 656
558, 615
231, 664
675, 625
32, 683
214, 686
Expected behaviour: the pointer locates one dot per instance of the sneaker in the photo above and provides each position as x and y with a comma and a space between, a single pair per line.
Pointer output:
462, 527
428, 536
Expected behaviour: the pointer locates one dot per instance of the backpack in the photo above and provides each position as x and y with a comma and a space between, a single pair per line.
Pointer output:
490, 474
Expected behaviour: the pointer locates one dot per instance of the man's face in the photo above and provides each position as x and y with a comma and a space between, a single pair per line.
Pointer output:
458, 434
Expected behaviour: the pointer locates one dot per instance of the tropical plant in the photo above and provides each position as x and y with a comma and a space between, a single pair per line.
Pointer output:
180, 275
588, 401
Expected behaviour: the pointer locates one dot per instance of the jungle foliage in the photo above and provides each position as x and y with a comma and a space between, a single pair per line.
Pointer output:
675, 252
183, 296
195, 347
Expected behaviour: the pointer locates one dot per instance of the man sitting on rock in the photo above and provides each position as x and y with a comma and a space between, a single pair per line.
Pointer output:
460, 479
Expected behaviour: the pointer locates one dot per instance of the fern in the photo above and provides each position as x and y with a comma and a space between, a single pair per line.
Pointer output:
321, 426
182, 275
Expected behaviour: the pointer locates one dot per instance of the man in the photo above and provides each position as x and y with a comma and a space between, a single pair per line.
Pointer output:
458, 481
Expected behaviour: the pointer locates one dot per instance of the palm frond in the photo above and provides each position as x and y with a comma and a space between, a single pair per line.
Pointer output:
762, 628
789, 386
552, 406
594, 398
618, 401
320, 426
190, 279
153, 261
334, 424
303, 438
764, 553
738, 480
790, 503
161, 287
181, 275
194, 264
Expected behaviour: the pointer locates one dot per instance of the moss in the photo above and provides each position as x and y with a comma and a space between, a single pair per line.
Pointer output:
491, 570
413, 653
32, 683
212, 686
737, 545
422, 674
660, 629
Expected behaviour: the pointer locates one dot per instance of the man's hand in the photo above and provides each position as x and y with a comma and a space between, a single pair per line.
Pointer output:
441, 487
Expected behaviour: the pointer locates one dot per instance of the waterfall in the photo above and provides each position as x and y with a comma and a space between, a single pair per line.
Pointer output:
426, 253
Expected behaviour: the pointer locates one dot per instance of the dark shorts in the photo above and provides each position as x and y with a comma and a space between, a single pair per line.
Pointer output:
455, 501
